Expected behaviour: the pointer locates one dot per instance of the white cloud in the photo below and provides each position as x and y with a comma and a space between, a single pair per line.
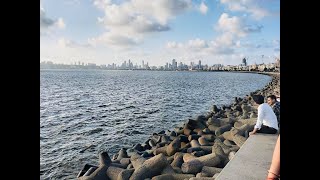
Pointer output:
47, 24
200, 47
128, 23
203, 8
248, 6
66, 43
197, 43
235, 25
60, 23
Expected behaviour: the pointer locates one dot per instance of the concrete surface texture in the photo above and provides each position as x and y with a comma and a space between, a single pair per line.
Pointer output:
253, 159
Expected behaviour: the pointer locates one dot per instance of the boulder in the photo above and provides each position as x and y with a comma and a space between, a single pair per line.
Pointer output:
150, 168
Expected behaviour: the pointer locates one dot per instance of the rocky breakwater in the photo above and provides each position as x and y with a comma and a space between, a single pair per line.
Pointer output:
197, 149
272, 88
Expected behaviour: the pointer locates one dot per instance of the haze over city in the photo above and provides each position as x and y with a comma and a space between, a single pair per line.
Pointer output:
113, 31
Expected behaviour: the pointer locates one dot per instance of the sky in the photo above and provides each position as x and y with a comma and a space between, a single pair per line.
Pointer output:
157, 31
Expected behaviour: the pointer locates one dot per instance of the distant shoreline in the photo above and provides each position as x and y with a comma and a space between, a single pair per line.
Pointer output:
256, 72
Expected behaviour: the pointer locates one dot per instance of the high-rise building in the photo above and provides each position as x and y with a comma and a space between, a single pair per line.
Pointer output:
244, 61
174, 64
199, 65
142, 63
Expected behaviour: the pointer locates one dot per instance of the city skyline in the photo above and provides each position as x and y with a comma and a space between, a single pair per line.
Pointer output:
110, 31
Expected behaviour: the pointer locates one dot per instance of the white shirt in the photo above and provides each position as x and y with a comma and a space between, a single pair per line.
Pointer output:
266, 117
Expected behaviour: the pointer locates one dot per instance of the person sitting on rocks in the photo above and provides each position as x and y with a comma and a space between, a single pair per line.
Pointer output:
267, 120
272, 101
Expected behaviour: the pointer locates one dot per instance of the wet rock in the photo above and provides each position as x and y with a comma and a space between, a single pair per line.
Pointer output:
165, 139
130, 166
206, 149
125, 161
242, 129
187, 132
145, 147
239, 140
201, 174
215, 109
238, 113
185, 145
198, 153
211, 171
245, 115
183, 138
193, 137
194, 143
138, 147
226, 121
213, 128
86, 168
191, 167
152, 143
178, 130
137, 160
223, 129
150, 168
208, 137
115, 173
122, 154
156, 138
170, 159
161, 144
201, 178
253, 115
209, 160
231, 155
100, 172
188, 156
178, 160
177, 170
168, 170
205, 131
90, 171
173, 147
193, 124
173, 133
192, 149
160, 150
215, 176
228, 142
118, 165
213, 121
204, 142
173, 177
245, 108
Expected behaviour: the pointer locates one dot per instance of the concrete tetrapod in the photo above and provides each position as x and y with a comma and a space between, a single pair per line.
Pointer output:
151, 167
100, 172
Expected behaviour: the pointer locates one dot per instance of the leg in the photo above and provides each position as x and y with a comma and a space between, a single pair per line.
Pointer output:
267, 130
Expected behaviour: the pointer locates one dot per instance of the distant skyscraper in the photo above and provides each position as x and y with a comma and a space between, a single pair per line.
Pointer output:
174, 64
244, 61
142, 63
199, 67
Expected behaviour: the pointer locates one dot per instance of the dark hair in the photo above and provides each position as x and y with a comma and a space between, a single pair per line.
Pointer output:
259, 99
272, 97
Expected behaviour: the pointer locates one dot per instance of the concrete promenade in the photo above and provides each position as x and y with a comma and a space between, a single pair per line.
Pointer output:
253, 159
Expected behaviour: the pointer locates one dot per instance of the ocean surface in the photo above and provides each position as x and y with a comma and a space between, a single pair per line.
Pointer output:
83, 112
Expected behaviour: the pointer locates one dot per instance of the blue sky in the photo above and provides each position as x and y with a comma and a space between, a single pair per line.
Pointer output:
107, 31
